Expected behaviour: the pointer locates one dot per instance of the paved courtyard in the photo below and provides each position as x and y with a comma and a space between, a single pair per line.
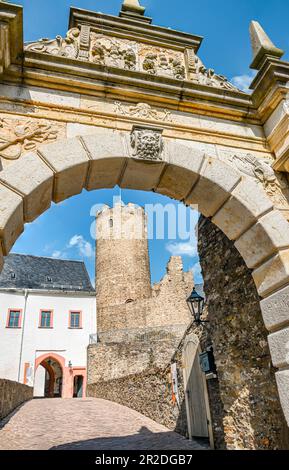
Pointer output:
90, 424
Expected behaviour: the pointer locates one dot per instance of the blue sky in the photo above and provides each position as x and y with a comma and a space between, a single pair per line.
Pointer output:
64, 230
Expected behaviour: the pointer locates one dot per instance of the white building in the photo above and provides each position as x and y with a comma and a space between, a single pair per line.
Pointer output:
48, 311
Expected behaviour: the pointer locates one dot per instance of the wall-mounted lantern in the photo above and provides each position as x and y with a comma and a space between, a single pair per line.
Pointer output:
196, 305
207, 363
70, 365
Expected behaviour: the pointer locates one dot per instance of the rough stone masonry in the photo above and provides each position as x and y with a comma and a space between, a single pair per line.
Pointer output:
247, 414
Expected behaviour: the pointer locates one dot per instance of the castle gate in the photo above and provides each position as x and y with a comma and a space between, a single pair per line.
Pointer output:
182, 131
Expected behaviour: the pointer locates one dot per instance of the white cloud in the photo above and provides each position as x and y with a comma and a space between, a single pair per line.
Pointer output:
57, 254
243, 81
84, 247
197, 273
182, 249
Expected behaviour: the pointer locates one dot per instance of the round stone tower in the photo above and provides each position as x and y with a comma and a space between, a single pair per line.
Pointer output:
122, 259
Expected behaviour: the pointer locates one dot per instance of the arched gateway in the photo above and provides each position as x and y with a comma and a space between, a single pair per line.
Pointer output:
120, 101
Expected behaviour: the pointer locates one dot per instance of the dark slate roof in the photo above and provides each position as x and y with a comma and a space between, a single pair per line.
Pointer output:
35, 272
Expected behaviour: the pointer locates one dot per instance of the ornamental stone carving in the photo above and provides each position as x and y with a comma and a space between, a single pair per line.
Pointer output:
158, 61
203, 76
18, 136
65, 47
261, 170
147, 143
84, 44
142, 111
113, 52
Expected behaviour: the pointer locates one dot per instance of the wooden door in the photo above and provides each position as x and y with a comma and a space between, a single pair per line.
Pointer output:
197, 403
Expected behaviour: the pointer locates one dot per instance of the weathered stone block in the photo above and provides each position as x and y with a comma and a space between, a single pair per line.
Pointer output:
107, 150
272, 274
69, 161
279, 347
11, 218
247, 204
139, 175
34, 180
176, 182
275, 309
282, 379
266, 237
182, 172
214, 187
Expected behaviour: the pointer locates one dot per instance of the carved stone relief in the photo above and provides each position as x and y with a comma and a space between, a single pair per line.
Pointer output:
65, 47
147, 143
142, 111
18, 136
113, 52
200, 74
159, 61
83, 44
275, 184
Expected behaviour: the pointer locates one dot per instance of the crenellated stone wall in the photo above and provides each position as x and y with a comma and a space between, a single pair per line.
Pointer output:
249, 415
12, 394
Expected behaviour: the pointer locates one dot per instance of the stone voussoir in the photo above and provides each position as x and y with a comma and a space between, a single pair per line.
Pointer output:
34, 180
273, 274
247, 203
217, 180
266, 237
275, 310
279, 348
282, 378
11, 218
69, 160
107, 150
182, 172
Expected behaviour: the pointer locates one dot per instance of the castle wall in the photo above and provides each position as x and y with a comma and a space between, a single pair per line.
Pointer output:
250, 415
133, 368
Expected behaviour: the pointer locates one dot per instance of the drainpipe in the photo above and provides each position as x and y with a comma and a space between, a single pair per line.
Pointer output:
22, 333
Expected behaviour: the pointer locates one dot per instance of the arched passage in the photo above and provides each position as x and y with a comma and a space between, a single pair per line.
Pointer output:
51, 383
235, 203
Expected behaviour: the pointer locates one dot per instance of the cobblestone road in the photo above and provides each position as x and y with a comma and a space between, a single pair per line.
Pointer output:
91, 424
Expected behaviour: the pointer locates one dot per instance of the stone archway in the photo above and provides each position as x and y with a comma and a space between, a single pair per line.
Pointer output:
44, 361
197, 151
144, 160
